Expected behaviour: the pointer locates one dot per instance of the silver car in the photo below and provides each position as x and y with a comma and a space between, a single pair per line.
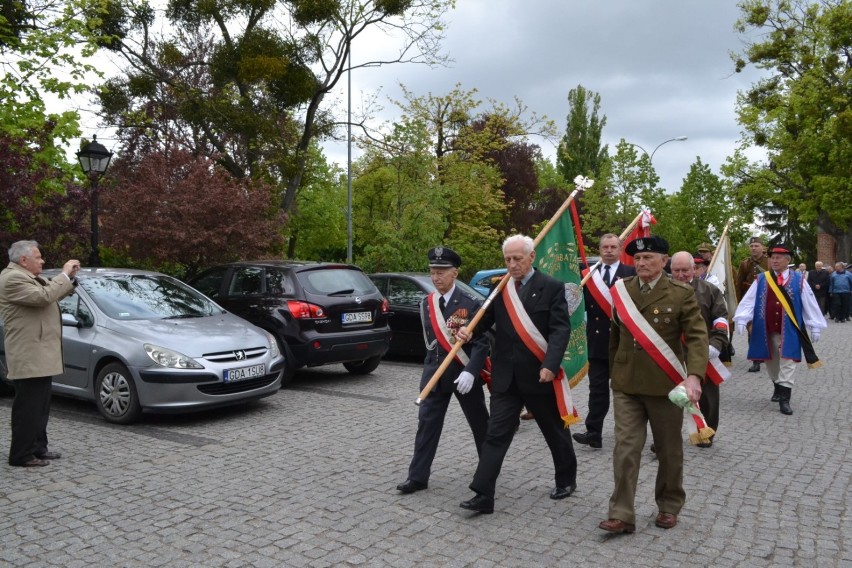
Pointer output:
136, 341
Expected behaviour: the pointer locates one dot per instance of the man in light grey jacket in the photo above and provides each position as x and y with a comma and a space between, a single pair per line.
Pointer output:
32, 328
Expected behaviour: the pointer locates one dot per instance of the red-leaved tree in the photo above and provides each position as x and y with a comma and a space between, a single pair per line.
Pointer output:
173, 209
38, 202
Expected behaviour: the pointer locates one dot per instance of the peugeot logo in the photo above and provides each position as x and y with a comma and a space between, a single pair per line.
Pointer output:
357, 299
240, 355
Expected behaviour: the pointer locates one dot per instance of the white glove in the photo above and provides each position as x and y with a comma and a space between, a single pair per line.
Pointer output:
713, 352
741, 329
464, 383
814, 335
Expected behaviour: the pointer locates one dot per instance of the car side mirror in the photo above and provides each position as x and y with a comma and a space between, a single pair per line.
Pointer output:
70, 321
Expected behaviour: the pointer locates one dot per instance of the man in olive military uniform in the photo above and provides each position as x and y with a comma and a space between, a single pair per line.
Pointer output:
714, 311
656, 326
443, 312
755, 264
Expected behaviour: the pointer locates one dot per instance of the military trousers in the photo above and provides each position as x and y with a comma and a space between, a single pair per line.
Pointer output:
632, 414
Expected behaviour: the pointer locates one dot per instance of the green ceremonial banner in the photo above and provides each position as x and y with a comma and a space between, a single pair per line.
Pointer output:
556, 255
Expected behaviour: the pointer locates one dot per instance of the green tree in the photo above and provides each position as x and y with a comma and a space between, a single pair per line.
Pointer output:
700, 210
580, 151
800, 112
45, 46
627, 184
246, 80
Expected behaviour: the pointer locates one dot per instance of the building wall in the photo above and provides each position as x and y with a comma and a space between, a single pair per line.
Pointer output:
826, 249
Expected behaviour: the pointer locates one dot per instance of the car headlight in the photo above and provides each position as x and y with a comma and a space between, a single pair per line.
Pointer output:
273, 345
171, 359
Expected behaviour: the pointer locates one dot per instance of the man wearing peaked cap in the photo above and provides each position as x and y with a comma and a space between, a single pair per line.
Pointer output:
651, 309
442, 313
775, 337
748, 270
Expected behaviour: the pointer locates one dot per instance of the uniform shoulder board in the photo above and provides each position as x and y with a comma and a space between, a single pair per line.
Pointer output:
470, 296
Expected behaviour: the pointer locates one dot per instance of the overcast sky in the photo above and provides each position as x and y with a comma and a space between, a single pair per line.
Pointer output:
662, 68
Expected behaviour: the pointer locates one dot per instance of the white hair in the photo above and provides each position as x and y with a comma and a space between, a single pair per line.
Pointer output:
19, 249
529, 244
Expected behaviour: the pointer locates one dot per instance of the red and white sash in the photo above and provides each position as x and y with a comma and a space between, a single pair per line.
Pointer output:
537, 344
600, 292
444, 337
645, 335
442, 333
659, 351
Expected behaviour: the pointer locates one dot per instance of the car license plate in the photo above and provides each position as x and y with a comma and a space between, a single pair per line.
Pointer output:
357, 317
243, 373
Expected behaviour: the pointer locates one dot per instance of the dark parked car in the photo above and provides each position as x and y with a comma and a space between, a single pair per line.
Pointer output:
136, 341
405, 291
321, 313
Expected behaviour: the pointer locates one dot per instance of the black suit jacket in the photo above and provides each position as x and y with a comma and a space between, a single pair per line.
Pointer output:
597, 322
821, 277
543, 297
458, 312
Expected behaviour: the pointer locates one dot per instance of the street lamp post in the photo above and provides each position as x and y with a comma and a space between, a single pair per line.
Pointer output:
651, 155
94, 159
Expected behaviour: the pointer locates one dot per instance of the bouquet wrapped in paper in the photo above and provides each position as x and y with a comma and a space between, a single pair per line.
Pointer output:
699, 431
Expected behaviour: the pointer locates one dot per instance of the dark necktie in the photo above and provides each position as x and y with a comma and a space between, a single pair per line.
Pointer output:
606, 274
518, 285
442, 304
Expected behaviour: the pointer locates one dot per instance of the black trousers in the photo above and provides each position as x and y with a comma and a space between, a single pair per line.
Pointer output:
598, 396
505, 410
430, 423
30, 413
709, 403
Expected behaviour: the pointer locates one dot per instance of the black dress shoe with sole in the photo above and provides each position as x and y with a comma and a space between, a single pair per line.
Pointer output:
480, 504
586, 438
563, 492
49, 456
35, 462
410, 486
755, 367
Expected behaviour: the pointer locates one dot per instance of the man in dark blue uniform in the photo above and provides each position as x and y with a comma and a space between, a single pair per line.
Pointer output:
443, 312
598, 319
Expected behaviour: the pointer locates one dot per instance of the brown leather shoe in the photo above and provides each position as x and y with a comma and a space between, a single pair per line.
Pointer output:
666, 520
617, 526
527, 415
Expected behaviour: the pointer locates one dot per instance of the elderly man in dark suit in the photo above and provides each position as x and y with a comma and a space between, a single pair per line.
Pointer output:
32, 329
443, 312
598, 313
656, 326
531, 311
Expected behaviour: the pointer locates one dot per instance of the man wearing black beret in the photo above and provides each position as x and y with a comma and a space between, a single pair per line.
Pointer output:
658, 339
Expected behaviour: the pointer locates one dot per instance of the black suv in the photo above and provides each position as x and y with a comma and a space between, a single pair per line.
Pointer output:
321, 313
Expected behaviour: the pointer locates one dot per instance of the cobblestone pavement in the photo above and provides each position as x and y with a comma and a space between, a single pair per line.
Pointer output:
307, 478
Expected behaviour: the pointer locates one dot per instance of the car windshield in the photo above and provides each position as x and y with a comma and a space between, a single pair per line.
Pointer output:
336, 281
142, 296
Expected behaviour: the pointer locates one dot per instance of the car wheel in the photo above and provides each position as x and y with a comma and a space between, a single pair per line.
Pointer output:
363, 367
115, 395
289, 368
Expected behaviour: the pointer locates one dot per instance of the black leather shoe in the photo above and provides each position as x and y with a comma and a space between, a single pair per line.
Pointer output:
776, 394
480, 504
35, 462
588, 439
410, 486
49, 456
563, 492
755, 367
784, 407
